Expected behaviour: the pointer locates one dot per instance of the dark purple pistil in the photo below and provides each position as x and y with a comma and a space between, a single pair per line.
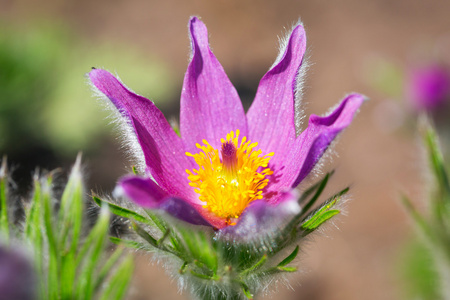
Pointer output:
229, 158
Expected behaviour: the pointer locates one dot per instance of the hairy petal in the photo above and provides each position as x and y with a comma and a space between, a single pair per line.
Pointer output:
143, 191
163, 150
261, 219
271, 118
147, 194
210, 106
292, 168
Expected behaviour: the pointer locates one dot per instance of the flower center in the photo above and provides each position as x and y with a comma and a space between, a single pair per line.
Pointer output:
228, 182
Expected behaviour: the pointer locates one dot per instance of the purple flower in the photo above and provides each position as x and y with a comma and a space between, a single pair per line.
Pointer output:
17, 277
428, 87
227, 166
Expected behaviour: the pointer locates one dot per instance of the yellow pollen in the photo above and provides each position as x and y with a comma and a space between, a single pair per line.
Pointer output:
228, 182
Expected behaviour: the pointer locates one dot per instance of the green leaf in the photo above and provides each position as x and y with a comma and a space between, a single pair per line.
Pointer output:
163, 238
159, 222
290, 232
322, 214
203, 276
107, 267
128, 243
145, 235
4, 222
320, 218
91, 259
287, 269
183, 268
53, 282
34, 233
318, 187
32, 222
71, 210
289, 258
261, 262
118, 284
275, 270
246, 291
198, 247
120, 211
67, 268
135, 172
435, 158
440, 204
68, 274
164, 227
421, 223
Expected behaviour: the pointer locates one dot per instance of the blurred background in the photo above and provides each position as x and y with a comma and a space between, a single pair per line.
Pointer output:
48, 113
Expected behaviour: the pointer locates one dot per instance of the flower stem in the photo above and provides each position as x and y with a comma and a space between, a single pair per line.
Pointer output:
209, 293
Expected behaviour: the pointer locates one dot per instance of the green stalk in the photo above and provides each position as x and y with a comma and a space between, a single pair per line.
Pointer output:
4, 223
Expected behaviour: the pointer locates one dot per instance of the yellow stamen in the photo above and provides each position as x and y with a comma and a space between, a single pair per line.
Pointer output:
227, 183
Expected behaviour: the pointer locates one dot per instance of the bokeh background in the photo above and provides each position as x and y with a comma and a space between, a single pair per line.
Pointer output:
48, 114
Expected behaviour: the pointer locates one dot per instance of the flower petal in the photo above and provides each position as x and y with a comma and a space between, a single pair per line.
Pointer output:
271, 118
262, 219
163, 150
147, 194
143, 191
210, 106
291, 169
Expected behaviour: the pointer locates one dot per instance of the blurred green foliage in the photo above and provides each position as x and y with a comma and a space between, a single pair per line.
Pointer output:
421, 280
71, 260
45, 98
430, 263
384, 76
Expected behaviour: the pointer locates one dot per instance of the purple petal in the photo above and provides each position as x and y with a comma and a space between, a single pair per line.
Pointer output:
271, 118
263, 219
147, 194
143, 191
292, 168
17, 275
163, 150
428, 87
210, 105
184, 211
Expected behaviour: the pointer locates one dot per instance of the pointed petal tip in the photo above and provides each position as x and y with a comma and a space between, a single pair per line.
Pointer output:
194, 19
297, 35
198, 33
358, 96
99, 76
356, 99
95, 73
208, 96
299, 28
196, 24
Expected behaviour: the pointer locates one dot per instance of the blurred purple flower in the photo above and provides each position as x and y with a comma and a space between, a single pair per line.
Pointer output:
428, 87
225, 179
17, 277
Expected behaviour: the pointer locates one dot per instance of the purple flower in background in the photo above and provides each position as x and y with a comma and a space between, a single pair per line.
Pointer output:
428, 87
228, 165
17, 277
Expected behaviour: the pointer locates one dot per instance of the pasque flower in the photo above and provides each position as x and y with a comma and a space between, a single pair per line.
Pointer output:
227, 164
428, 86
